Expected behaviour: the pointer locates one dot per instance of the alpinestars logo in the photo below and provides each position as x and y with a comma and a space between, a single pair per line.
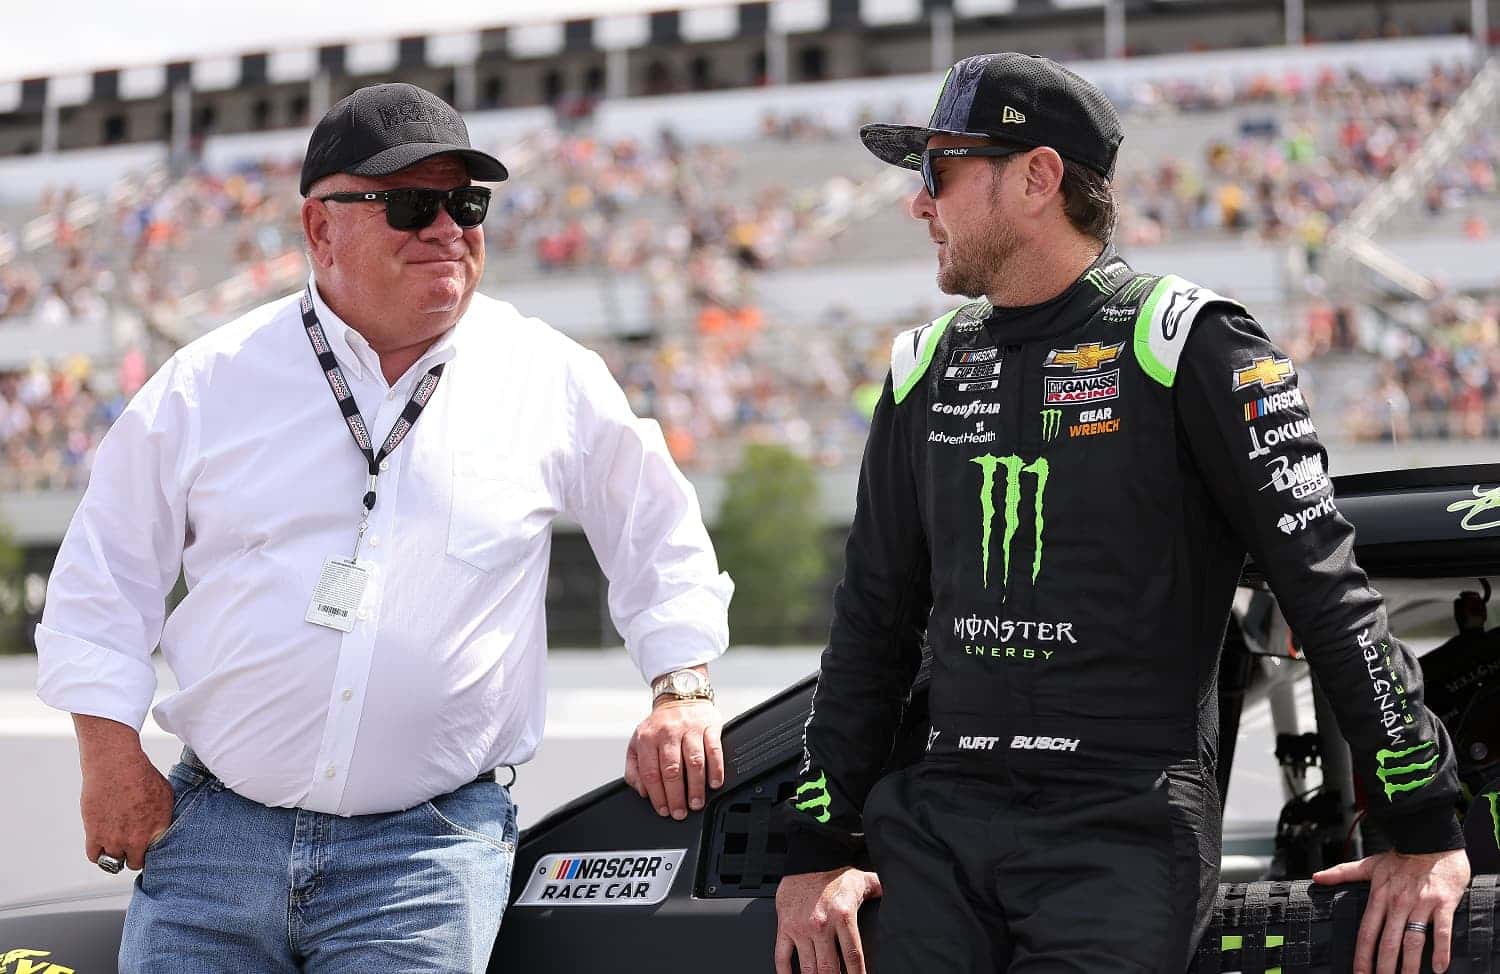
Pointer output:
1292, 523
1014, 467
932, 736
1274, 437
1303, 478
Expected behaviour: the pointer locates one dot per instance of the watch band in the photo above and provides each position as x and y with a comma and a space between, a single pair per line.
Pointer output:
664, 686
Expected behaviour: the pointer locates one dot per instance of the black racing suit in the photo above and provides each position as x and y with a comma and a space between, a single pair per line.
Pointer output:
1060, 498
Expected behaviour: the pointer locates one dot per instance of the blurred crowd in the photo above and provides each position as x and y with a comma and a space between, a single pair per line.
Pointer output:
1439, 380
810, 387
688, 218
147, 242
1305, 153
51, 421
696, 222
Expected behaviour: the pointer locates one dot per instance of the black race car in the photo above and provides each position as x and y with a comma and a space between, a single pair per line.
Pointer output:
602, 883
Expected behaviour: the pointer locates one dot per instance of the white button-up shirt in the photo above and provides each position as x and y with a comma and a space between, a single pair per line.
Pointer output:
234, 464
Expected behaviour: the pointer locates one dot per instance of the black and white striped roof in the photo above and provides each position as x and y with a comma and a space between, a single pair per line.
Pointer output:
699, 24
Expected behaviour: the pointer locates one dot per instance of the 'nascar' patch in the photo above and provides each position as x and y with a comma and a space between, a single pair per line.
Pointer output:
1091, 388
640, 878
973, 365
1266, 372
1274, 403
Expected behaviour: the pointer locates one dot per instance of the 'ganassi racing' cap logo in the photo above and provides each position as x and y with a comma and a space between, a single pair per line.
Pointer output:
1265, 372
1086, 357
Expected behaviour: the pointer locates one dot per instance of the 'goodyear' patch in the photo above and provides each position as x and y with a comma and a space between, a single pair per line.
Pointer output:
641, 878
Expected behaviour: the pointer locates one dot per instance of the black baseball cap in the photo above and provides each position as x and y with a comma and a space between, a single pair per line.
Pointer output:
1015, 99
382, 128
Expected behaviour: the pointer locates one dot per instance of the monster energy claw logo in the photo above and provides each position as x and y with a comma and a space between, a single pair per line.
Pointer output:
1051, 423
1385, 773
1014, 467
820, 800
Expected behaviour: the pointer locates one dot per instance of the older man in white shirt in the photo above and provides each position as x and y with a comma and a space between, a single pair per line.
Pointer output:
359, 483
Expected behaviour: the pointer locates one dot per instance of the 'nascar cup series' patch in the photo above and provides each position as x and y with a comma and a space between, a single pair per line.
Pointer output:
640, 878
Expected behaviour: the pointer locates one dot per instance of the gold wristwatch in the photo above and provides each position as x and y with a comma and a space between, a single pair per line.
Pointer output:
683, 685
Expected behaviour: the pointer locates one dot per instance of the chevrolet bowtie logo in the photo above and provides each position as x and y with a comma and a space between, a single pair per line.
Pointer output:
1264, 372
1083, 358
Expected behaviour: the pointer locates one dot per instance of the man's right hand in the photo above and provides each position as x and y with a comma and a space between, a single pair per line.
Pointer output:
818, 914
126, 802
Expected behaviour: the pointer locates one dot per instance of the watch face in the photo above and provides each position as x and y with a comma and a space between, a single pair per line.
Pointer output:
686, 681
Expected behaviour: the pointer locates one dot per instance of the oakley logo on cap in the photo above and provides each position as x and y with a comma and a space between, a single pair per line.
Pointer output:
1012, 117
414, 111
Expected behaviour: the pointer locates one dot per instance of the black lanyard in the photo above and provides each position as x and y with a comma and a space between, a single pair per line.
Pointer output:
420, 397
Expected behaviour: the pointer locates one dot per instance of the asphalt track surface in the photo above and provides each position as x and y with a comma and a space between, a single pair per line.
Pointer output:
594, 701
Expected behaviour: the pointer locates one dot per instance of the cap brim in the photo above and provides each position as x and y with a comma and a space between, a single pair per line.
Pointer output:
481, 165
902, 145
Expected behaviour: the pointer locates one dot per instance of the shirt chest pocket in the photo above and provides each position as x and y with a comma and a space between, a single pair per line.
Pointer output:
499, 513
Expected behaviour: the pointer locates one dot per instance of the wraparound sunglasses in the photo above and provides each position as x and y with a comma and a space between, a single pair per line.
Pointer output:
930, 157
415, 208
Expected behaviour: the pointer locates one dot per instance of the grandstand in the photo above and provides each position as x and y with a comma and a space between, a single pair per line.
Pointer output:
688, 196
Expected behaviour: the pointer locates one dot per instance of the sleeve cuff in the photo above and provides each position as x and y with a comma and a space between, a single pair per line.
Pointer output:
80, 677
1426, 830
812, 848
687, 631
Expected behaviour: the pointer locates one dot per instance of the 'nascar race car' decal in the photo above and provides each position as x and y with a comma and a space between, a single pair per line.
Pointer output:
640, 878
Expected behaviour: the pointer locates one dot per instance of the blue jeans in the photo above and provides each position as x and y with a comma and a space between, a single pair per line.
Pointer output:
234, 886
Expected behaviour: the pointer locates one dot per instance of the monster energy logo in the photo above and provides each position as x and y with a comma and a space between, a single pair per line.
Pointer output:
1099, 278
819, 798
1385, 774
1051, 423
1014, 467
1492, 796
1135, 289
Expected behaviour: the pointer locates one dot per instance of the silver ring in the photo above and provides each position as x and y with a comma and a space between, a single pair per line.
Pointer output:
1418, 926
110, 864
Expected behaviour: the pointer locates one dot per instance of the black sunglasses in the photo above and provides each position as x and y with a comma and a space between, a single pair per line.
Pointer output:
930, 156
414, 209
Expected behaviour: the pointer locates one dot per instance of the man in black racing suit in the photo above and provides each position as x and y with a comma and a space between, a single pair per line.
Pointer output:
1061, 483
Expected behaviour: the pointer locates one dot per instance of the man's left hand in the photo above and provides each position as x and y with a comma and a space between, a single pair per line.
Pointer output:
1424, 888
679, 736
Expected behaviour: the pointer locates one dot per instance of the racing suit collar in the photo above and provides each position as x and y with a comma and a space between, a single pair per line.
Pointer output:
1074, 306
